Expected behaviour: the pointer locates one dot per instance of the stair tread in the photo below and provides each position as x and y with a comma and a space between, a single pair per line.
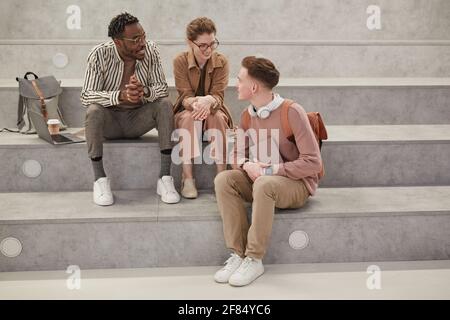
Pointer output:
145, 205
300, 82
15, 139
392, 133
336, 134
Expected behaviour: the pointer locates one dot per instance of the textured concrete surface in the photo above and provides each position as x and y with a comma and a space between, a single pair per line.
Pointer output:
145, 205
353, 156
362, 239
310, 82
391, 81
343, 225
398, 280
389, 133
350, 101
73, 207
318, 20
296, 60
386, 164
96, 245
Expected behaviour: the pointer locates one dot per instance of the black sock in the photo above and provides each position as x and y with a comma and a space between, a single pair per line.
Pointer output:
166, 161
97, 165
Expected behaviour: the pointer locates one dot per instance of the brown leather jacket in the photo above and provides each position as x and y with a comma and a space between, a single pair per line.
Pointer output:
187, 78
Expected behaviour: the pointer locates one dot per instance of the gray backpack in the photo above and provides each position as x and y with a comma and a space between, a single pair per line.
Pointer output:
39, 95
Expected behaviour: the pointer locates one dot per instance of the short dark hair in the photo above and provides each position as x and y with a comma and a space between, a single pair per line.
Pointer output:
262, 69
118, 23
200, 26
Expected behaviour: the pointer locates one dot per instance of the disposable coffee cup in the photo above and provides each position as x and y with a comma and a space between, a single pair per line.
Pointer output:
53, 126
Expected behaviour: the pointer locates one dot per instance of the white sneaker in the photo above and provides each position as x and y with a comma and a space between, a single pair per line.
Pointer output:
166, 190
231, 265
102, 192
249, 270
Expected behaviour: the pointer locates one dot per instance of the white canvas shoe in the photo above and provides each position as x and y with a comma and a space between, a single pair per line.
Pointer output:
231, 265
249, 270
102, 192
166, 189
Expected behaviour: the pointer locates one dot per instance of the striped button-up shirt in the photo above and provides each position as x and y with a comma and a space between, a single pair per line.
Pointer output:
105, 70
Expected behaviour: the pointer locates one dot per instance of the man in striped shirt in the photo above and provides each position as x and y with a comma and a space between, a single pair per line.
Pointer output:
125, 92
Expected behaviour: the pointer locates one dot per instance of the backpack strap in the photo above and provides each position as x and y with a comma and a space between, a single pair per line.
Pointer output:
315, 119
285, 120
245, 120
20, 113
39, 93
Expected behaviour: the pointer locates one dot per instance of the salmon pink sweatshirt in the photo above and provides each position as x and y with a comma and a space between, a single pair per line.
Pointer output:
299, 160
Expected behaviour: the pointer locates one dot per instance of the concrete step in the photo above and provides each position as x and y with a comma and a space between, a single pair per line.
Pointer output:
293, 58
403, 155
341, 101
387, 155
59, 229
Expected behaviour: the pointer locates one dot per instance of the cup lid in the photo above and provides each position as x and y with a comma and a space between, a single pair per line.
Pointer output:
53, 121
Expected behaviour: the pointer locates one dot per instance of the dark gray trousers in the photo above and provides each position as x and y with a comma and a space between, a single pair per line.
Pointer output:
114, 123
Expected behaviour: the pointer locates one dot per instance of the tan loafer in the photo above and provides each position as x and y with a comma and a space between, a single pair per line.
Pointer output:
188, 189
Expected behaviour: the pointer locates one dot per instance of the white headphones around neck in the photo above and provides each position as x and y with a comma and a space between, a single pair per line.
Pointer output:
264, 112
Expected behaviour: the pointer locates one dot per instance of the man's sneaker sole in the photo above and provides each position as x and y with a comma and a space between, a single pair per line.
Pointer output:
104, 204
246, 284
158, 192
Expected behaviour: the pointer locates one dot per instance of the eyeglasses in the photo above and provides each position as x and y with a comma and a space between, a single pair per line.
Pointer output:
204, 46
136, 39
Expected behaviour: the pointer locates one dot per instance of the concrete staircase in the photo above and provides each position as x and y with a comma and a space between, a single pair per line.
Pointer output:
341, 224
386, 193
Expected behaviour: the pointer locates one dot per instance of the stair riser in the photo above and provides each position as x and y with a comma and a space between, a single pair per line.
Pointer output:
338, 106
386, 164
68, 168
200, 243
291, 60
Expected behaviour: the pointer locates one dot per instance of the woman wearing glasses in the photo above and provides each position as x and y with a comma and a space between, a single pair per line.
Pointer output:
201, 77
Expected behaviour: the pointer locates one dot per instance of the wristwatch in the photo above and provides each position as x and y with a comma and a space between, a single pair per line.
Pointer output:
268, 171
242, 165
146, 91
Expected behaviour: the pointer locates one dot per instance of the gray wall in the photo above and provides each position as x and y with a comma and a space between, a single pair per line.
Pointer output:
320, 38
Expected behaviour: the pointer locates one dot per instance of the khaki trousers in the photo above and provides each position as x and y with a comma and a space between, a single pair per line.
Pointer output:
234, 188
